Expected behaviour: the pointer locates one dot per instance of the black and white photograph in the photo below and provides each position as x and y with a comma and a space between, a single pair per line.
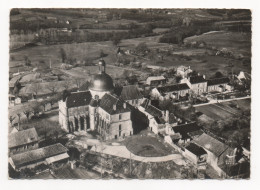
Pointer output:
129, 93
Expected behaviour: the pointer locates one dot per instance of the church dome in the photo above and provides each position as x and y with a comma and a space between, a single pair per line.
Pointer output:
101, 82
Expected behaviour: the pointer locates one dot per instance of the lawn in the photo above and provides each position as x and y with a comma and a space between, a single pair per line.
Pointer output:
147, 146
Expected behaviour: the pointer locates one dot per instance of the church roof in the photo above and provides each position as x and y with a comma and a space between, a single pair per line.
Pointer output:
77, 99
108, 101
101, 82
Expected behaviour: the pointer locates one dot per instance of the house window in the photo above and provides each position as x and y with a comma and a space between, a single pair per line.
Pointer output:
120, 116
120, 130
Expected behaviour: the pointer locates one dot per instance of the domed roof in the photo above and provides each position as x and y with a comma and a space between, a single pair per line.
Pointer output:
101, 82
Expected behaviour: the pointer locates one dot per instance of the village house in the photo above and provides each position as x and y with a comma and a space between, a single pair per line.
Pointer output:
219, 85
183, 71
196, 154
22, 141
46, 155
198, 84
155, 80
97, 109
131, 94
183, 133
175, 91
218, 152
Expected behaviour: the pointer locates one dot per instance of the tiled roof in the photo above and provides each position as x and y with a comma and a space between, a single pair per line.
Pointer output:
130, 92
197, 79
77, 99
175, 87
108, 101
22, 137
184, 129
211, 144
217, 81
145, 103
38, 154
195, 149
153, 111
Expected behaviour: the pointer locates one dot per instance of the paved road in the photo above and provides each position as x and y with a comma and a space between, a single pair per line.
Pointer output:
123, 152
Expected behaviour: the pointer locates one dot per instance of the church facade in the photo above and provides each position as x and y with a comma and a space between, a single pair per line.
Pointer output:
97, 109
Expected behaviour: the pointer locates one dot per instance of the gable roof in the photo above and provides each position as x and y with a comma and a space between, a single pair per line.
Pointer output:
108, 101
197, 79
184, 129
171, 88
22, 137
130, 92
38, 154
77, 99
195, 149
211, 144
217, 81
152, 110
153, 78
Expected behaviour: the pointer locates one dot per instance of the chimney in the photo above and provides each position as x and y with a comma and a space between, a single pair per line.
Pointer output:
124, 105
204, 76
167, 116
114, 107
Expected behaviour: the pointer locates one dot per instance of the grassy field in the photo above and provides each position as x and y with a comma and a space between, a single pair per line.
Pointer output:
147, 146
238, 43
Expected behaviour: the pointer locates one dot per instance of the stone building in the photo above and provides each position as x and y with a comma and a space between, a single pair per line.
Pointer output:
97, 109
198, 84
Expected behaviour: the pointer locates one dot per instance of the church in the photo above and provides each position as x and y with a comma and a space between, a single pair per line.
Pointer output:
97, 109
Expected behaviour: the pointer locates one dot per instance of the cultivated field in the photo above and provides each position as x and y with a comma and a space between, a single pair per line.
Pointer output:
225, 110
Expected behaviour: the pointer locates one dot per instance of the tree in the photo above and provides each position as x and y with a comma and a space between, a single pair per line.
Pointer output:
35, 89
52, 87
63, 55
78, 82
27, 61
26, 112
66, 84
141, 47
11, 119
115, 39
19, 120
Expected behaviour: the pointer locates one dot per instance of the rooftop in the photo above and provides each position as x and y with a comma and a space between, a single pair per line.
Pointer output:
211, 144
152, 110
197, 79
38, 154
218, 81
195, 149
108, 101
155, 78
175, 87
77, 99
184, 129
22, 137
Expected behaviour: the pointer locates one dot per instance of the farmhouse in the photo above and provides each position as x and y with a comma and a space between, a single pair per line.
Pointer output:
155, 80
218, 152
46, 155
22, 141
131, 95
198, 84
96, 109
170, 92
218, 84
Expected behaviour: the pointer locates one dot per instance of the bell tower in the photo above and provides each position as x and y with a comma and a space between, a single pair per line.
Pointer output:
102, 66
